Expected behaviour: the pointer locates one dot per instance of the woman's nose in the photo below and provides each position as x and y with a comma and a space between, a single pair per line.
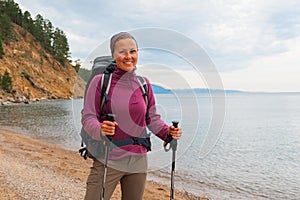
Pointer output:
127, 54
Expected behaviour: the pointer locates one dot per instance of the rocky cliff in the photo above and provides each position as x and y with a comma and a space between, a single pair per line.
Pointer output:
35, 73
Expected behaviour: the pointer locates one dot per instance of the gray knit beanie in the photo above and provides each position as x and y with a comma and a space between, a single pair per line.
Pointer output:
117, 37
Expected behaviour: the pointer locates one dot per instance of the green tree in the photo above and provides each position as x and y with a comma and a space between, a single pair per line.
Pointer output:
28, 23
51, 39
48, 35
77, 65
60, 46
1, 48
38, 31
12, 10
5, 26
6, 82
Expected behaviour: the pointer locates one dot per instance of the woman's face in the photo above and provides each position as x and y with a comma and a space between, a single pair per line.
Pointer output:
126, 54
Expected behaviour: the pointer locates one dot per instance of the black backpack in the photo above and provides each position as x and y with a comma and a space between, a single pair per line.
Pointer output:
94, 148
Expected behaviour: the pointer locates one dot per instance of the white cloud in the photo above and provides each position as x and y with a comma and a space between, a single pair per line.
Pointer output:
237, 32
234, 33
276, 73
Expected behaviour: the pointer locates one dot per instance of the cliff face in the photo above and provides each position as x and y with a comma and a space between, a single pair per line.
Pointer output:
35, 73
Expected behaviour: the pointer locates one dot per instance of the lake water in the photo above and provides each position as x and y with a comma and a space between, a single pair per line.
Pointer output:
247, 148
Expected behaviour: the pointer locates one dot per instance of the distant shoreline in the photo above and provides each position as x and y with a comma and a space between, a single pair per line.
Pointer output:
161, 90
12, 101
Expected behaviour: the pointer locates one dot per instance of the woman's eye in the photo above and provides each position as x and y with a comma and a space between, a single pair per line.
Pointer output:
132, 51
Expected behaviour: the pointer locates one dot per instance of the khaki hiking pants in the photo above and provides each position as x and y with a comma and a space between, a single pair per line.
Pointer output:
130, 171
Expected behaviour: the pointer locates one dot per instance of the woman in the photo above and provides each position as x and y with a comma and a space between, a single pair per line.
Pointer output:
127, 164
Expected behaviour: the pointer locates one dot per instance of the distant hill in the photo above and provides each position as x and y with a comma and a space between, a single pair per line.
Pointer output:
85, 74
161, 90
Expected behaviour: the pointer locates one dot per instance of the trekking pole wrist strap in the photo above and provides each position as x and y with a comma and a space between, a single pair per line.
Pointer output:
167, 141
169, 138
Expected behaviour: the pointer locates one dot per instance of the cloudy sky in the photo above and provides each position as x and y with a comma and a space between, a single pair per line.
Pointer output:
254, 45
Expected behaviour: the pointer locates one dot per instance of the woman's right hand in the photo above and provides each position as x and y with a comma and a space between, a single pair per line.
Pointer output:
108, 128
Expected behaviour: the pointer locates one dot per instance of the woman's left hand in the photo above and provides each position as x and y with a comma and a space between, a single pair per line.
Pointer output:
175, 132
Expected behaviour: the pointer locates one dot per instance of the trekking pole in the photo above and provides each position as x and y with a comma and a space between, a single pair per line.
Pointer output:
173, 145
110, 117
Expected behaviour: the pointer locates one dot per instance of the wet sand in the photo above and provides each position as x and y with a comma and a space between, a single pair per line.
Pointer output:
33, 169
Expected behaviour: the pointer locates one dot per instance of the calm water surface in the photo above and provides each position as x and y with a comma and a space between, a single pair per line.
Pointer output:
256, 156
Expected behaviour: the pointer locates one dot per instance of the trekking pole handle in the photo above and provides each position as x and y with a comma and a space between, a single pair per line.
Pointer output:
175, 124
172, 142
110, 117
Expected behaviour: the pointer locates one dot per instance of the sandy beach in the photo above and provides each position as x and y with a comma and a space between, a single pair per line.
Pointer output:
33, 169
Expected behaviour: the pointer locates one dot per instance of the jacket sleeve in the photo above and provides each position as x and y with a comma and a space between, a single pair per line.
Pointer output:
91, 110
153, 119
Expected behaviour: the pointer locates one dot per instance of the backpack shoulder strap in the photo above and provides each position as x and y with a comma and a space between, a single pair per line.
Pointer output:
105, 86
105, 83
144, 88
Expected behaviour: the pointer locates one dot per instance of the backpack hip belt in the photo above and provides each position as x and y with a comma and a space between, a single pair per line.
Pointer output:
135, 141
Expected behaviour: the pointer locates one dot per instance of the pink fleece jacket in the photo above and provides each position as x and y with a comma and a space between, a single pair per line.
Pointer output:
130, 109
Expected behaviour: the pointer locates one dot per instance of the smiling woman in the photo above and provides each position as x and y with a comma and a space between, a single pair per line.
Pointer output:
134, 112
125, 51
